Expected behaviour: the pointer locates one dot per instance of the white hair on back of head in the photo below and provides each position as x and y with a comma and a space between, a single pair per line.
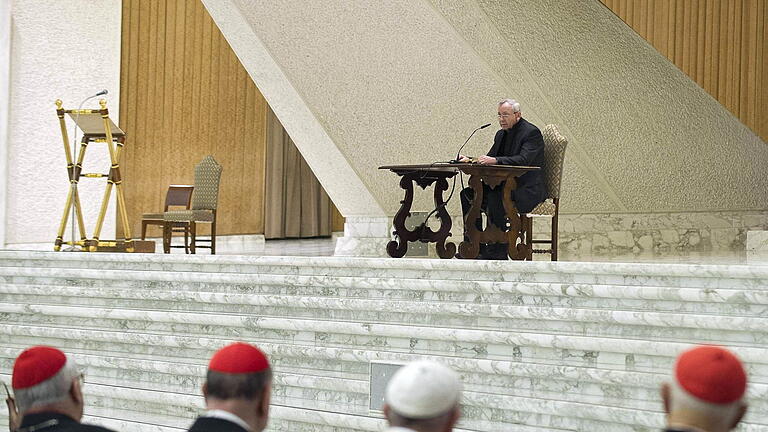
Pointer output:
511, 102
54, 389
682, 400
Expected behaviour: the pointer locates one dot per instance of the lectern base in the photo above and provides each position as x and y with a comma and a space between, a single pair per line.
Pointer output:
139, 246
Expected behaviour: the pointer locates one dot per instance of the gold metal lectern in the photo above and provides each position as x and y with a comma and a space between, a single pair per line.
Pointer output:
97, 128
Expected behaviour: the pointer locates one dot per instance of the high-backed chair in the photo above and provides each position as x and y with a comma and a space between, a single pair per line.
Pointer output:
176, 196
554, 154
205, 199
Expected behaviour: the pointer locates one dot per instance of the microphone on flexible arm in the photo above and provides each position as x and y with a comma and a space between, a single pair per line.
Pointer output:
101, 93
445, 203
458, 153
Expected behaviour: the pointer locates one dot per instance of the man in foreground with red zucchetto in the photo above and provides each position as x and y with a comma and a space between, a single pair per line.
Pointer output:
706, 391
237, 390
47, 393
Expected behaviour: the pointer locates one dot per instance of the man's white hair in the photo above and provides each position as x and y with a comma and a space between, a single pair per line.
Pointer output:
679, 399
511, 102
54, 389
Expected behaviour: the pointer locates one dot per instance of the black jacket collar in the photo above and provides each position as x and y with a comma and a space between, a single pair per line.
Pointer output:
43, 420
211, 424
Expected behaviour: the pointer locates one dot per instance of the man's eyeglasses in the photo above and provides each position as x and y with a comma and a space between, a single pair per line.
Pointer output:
506, 115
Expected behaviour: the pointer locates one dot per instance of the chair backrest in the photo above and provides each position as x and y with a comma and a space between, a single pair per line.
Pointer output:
178, 195
554, 154
207, 176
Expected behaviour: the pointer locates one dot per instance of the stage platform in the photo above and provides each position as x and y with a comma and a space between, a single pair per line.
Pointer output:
540, 346
326, 246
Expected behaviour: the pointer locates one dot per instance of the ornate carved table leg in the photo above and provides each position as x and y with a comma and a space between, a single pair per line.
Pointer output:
471, 248
516, 251
398, 247
444, 250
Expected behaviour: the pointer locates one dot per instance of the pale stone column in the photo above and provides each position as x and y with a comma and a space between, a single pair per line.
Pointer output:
5, 70
364, 236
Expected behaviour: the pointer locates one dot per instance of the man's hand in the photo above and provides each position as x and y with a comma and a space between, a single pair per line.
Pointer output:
14, 420
487, 160
464, 159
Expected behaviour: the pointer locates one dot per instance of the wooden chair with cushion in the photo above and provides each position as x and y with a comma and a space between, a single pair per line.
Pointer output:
205, 198
554, 154
176, 196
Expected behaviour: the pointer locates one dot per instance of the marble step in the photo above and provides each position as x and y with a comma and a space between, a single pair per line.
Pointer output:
181, 374
475, 341
281, 419
540, 346
679, 275
176, 410
547, 379
520, 404
554, 320
241, 298
555, 388
747, 301
291, 386
171, 409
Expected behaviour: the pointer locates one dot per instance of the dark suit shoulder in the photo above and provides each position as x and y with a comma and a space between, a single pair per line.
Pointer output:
210, 424
87, 428
58, 423
528, 127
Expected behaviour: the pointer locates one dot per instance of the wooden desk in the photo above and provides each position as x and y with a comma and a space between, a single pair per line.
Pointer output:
425, 175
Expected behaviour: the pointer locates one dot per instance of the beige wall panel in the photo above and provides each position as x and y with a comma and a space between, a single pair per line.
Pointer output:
404, 81
638, 125
185, 96
719, 44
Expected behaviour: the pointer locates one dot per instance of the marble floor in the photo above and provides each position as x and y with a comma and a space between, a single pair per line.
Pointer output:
319, 247
325, 247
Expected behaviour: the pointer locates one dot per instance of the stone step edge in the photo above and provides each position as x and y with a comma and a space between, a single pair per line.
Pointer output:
317, 382
476, 390
683, 320
566, 291
157, 398
557, 289
646, 269
641, 378
556, 408
513, 337
186, 368
754, 356
280, 413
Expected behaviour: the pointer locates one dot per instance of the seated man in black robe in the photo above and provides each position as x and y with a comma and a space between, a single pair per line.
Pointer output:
47, 386
518, 142
237, 391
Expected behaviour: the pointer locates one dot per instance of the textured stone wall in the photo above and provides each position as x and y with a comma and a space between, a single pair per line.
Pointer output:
405, 81
68, 50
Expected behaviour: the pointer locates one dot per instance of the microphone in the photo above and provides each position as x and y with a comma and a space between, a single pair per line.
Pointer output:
101, 93
458, 153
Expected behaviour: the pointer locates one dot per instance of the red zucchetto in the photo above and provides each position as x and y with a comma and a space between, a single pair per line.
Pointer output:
712, 374
35, 365
239, 358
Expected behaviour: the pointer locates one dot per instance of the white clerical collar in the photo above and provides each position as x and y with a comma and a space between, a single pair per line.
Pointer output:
226, 415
